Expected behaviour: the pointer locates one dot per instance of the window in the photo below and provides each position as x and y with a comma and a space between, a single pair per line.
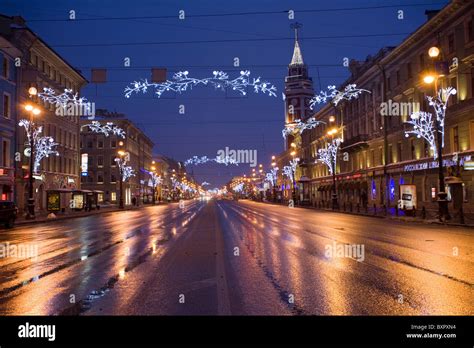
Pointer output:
390, 154
412, 149
113, 196
89, 144
422, 61
112, 161
470, 33
372, 158
399, 151
451, 43
90, 161
5, 68
113, 143
100, 143
380, 155
113, 179
6, 153
472, 82
100, 161
6, 105
409, 71
455, 139
100, 178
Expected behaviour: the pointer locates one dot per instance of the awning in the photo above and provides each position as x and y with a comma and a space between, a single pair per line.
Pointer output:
98, 191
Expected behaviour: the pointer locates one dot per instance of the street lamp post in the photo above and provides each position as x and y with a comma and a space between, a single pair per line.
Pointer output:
335, 205
121, 203
443, 211
33, 111
274, 180
153, 176
293, 172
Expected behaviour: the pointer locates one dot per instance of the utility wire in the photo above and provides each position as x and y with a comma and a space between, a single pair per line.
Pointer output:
257, 13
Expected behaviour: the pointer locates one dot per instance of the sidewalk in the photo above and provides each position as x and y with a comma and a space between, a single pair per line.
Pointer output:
21, 220
391, 214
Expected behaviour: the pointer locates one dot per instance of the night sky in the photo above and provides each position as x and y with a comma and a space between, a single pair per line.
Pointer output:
213, 119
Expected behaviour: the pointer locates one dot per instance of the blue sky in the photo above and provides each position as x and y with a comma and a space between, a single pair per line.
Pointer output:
213, 119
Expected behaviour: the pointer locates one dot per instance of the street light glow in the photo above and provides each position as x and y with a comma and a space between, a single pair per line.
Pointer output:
433, 52
428, 79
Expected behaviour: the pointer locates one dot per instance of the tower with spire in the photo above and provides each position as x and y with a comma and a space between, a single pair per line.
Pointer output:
298, 87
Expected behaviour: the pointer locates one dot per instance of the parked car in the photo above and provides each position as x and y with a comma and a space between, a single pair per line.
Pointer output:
8, 213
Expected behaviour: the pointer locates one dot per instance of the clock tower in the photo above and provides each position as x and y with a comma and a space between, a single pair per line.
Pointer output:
298, 88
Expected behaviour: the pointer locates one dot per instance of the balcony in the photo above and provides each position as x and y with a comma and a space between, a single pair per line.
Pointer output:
355, 143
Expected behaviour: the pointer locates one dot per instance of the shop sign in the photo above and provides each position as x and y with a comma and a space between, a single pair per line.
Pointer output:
435, 164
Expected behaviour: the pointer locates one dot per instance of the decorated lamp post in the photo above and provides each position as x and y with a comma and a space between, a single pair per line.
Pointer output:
431, 128
155, 181
329, 157
125, 172
39, 147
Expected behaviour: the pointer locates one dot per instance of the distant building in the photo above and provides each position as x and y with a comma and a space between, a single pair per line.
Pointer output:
99, 152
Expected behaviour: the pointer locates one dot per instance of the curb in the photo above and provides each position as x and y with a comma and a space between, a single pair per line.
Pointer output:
65, 217
379, 216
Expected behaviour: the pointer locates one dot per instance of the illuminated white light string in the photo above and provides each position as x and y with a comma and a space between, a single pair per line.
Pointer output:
62, 100
329, 155
289, 171
271, 176
195, 160
350, 92
182, 82
423, 122
44, 146
299, 126
423, 127
126, 172
106, 129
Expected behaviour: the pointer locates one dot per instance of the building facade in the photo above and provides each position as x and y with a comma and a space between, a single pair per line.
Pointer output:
376, 156
100, 171
42, 67
8, 116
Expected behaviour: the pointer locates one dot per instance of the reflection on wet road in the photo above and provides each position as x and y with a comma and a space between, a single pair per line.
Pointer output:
240, 258
80, 256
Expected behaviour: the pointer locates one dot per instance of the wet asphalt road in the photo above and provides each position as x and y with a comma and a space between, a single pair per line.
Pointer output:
240, 258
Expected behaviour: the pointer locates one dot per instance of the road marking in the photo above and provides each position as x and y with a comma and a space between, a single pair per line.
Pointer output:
223, 303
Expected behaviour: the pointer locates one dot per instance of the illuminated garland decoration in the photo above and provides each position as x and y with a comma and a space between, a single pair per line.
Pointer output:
44, 146
155, 179
423, 127
439, 104
181, 82
329, 155
126, 172
271, 176
181, 185
299, 126
195, 160
423, 122
205, 183
239, 187
289, 171
107, 129
49, 95
350, 92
